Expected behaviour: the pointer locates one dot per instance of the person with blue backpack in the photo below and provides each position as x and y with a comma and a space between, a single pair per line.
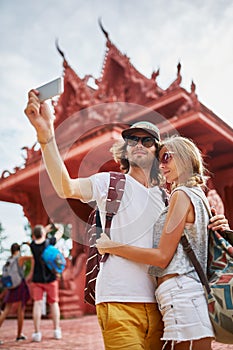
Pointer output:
44, 280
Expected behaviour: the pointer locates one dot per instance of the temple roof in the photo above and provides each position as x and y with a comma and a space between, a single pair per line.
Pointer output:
119, 81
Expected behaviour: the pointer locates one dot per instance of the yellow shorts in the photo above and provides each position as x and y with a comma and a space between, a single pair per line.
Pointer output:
130, 326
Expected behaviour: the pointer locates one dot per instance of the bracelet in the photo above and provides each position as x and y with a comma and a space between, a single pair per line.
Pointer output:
45, 143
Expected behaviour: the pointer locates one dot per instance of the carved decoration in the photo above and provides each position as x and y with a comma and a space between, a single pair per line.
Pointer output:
119, 77
119, 81
111, 112
31, 153
176, 83
6, 173
77, 94
191, 104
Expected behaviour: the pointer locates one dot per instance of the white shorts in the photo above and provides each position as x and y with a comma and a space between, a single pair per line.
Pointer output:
183, 305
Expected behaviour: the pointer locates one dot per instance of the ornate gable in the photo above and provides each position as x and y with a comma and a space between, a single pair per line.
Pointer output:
76, 96
121, 80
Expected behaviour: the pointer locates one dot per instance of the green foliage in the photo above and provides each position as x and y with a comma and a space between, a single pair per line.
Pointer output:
27, 267
2, 238
66, 234
28, 230
67, 231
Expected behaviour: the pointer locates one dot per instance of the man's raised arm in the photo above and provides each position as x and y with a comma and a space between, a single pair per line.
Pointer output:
42, 119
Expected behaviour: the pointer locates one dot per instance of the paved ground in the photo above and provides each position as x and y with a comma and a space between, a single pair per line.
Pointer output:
78, 334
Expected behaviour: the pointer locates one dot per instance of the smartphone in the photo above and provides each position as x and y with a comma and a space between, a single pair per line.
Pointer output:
51, 89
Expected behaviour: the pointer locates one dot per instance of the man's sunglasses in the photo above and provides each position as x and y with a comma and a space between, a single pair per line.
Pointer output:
166, 157
146, 141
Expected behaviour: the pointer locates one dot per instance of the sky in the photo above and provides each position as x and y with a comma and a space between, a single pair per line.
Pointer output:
153, 33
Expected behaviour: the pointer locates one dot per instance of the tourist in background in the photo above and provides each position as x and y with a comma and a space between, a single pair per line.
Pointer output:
19, 295
44, 280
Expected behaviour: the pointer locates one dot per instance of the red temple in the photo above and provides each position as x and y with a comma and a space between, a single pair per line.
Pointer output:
89, 118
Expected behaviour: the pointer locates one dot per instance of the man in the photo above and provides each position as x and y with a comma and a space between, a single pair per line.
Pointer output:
44, 281
125, 301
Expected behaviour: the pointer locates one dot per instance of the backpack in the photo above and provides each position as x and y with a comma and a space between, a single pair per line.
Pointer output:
94, 229
53, 258
218, 282
12, 274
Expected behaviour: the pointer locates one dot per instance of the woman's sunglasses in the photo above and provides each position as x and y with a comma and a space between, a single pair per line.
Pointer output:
166, 157
146, 141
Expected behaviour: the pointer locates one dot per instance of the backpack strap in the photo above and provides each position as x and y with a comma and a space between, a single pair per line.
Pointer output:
98, 224
189, 251
46, 243
44, 267
192, 256
115, 193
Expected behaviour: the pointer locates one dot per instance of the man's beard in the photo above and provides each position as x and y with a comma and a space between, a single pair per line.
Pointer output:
141, 163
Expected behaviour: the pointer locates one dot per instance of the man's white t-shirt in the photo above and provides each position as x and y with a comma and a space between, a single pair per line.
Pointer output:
119, 279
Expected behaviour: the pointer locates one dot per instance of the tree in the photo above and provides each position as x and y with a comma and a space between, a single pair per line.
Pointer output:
2, 238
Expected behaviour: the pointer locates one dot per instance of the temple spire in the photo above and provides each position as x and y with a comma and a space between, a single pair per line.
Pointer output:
103, 30
59, 50
61, 53
176, 83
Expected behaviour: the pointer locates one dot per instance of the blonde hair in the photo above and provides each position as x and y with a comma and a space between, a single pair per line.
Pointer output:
188, 159
118, 150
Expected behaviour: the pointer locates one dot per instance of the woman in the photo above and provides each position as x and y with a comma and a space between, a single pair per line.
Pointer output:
19, 295
179, 293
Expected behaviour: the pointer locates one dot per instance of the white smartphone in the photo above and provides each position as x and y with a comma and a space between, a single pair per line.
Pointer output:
51, 89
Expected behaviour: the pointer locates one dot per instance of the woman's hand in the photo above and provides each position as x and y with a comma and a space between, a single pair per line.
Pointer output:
103, 243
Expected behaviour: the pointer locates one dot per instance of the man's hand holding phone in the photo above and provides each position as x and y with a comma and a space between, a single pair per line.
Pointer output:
39, 113
50, 90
